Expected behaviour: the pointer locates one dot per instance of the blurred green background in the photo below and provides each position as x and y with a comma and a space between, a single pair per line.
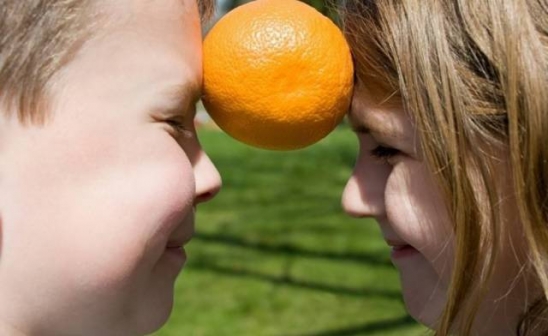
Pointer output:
274, 253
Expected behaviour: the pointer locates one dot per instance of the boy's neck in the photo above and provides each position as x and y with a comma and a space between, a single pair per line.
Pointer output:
9, 330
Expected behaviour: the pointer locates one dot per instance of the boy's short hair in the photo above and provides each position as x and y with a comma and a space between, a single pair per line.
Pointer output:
38, 37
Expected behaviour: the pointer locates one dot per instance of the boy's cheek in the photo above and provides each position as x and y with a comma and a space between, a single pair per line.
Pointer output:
70, 158
96, 211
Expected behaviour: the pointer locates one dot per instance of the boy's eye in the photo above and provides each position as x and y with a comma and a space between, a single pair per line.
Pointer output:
180, 128
384, 153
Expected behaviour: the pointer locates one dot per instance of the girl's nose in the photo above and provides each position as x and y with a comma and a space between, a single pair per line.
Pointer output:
363, 195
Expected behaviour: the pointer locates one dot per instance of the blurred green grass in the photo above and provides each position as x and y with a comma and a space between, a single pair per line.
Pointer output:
275, 255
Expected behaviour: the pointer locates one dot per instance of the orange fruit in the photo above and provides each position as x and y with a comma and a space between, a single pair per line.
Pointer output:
277, 74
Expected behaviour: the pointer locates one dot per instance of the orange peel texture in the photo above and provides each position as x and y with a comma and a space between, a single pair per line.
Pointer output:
277, 74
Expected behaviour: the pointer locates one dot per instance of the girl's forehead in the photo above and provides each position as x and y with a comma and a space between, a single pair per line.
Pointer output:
379, 118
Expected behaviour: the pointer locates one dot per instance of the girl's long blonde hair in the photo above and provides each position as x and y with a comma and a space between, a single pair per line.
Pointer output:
469, 72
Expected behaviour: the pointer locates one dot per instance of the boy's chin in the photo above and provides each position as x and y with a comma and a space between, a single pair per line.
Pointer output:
153, 308
153, 318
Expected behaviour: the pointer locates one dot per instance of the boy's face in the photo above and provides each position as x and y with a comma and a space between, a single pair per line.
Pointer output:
92, 203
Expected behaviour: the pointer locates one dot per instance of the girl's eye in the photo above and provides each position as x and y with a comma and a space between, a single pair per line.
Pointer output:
384, 153
180, 128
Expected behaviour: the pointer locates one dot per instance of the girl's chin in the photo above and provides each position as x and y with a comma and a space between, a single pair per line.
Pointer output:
424, 294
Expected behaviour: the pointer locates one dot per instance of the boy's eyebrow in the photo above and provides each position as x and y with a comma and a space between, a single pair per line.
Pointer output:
189, 91
184, 96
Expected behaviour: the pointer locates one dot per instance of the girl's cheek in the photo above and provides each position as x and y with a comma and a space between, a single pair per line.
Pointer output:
416, 210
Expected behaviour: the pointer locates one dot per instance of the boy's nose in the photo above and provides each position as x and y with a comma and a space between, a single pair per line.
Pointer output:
208, 179
363, 195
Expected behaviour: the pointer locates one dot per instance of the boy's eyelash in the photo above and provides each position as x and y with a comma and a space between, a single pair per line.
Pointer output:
180, 128
384, 153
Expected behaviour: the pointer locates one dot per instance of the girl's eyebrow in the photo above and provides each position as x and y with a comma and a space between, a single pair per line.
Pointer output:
388, 126
362, 126
358, 128
356, 125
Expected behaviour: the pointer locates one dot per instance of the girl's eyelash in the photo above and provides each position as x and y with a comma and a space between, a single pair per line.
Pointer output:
384, 153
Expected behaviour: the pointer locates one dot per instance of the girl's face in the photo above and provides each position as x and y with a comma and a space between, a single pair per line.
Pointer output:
97, 203
393, 184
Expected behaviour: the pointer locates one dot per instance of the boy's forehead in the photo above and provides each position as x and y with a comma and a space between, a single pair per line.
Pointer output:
151, 45
112, 15
148, 16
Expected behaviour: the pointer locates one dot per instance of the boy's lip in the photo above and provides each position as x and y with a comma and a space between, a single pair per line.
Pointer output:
179, 241
183, 234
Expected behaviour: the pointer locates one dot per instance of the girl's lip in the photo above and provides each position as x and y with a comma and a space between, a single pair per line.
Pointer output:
395, 243
402, 251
